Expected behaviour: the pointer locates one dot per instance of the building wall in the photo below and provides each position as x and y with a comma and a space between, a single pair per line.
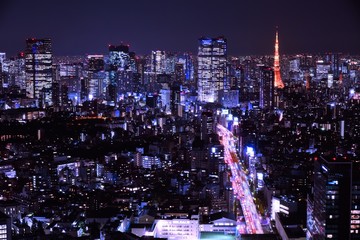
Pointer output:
212, 55
177, 229
332, 191
38, 65
5, 227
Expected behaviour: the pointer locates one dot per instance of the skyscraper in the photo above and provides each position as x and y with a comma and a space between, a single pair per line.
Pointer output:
158, 64
38, 65
278, 82
179, 73
266, 87
334, 205
2, 58
118, 62
212, 55
187, 61
95, 66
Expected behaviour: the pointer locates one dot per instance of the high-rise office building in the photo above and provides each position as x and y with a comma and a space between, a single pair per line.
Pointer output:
70, 74
187, 60
2, 58
95, 63
175, 98
118, 61
14, 70
266, 87
278, 82
158, 63
334, 60
39, 74
334, 210
207, 125
56, 87
170, 62
179, 73
212, 55
95, 66
165, 95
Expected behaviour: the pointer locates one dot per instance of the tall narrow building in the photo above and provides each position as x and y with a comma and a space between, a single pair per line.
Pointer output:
118, 63
211, 68
38, 70
278, 82
266, 93
95, 76
158, 64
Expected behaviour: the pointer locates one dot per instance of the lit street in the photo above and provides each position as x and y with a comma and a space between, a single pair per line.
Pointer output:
240, 184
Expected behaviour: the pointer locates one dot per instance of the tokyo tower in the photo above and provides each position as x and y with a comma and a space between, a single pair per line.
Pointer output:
278, 82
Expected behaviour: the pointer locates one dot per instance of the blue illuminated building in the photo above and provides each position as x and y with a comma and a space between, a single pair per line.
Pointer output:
118, 62
188, 64
212, 54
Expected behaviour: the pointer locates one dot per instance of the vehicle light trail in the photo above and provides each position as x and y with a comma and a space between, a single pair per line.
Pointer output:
239, 182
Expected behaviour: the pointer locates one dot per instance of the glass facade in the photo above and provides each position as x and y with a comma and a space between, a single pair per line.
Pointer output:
332, 189
96, 76
158, 62
118, 62
38, 70
212, 55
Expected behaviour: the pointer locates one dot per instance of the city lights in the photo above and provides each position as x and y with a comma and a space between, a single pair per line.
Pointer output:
186, 133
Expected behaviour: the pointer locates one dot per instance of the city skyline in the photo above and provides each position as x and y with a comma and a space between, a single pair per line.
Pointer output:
179, 120
78, 28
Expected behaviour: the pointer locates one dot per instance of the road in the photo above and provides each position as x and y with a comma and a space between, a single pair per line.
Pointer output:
240, 184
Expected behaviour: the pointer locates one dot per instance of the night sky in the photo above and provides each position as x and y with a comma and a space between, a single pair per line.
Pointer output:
86, 26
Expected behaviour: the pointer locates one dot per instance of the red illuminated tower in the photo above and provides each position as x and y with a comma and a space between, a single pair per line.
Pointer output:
278, 82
